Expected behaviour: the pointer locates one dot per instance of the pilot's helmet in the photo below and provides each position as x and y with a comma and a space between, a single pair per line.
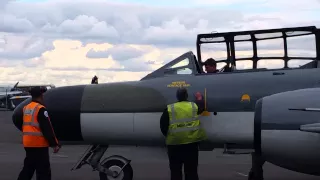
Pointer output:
37, 91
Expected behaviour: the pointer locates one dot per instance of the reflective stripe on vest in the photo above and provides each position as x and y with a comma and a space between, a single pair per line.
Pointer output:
187, 123
184, 125
32, 123
32, 135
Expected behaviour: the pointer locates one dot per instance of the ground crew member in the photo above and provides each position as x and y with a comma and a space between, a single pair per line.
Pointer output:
38, 136
181, 126
94, 80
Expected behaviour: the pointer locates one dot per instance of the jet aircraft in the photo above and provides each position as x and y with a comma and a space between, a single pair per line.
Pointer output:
6, 93
275, 112
8, 90
10, 97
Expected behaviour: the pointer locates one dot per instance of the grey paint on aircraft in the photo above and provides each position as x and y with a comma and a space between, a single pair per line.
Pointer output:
63, 105
121, 97
224, 91
276, 113
143, 129
279, 136
292, 149
132, 129
129, 112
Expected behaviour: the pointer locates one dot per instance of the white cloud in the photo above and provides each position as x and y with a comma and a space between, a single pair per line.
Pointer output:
62, 77
67, 42
10, 23
19, 47
118, 52
100, 21
270, 4
227, 2
3, 3
81, 27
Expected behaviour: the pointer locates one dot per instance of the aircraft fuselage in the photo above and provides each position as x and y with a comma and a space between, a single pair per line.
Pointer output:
128, 113
248, 108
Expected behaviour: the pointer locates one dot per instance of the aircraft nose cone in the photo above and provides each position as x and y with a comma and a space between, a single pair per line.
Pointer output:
17, 114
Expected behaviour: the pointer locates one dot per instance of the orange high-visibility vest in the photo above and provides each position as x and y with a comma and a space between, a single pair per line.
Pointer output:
31, 132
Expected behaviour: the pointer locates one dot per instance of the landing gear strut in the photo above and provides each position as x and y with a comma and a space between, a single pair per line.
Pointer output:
256, 171
112, 168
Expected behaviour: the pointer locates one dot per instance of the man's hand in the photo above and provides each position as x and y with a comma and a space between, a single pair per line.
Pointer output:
198, 96
56, 149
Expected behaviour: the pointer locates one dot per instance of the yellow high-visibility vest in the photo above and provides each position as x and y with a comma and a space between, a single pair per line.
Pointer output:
184, 125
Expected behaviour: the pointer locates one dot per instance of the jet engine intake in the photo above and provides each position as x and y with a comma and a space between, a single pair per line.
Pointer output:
286, 133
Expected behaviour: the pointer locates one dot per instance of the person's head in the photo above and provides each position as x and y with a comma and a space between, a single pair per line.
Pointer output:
182, 94
94, 80
37, 93
210, 65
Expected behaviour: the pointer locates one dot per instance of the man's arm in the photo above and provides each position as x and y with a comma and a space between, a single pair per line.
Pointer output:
164, 122
200, 104
46, 127
18, 120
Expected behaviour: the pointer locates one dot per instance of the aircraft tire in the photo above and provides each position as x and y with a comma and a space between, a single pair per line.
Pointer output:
116, 165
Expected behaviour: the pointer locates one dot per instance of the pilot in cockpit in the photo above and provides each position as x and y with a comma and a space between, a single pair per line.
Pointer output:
210, 66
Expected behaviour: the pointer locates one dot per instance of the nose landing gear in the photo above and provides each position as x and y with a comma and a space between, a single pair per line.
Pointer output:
112, 168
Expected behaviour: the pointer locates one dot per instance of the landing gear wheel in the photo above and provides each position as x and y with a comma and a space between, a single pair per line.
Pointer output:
116, 165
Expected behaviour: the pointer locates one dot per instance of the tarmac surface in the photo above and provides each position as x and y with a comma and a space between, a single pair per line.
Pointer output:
147, 163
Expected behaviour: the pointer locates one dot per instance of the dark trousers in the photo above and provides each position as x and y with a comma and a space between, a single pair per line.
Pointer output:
37, 159
183, 155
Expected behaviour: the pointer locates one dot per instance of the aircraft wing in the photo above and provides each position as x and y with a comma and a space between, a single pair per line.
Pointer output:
3, 93
20, 97
305, 109
10, 93
314, 128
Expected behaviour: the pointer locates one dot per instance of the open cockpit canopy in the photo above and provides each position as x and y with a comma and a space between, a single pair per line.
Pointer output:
249, 51
255, 50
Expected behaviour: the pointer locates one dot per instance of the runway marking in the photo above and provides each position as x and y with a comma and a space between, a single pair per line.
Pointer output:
60, 156
241, 174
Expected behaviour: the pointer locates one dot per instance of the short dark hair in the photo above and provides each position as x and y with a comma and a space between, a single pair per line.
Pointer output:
37, 91
210, 62
94, 80
182, 94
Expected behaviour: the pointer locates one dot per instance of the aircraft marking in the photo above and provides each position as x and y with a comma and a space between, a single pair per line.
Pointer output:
178, 84
245, 97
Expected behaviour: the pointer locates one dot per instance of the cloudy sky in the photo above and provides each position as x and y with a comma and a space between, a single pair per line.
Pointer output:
66, 42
